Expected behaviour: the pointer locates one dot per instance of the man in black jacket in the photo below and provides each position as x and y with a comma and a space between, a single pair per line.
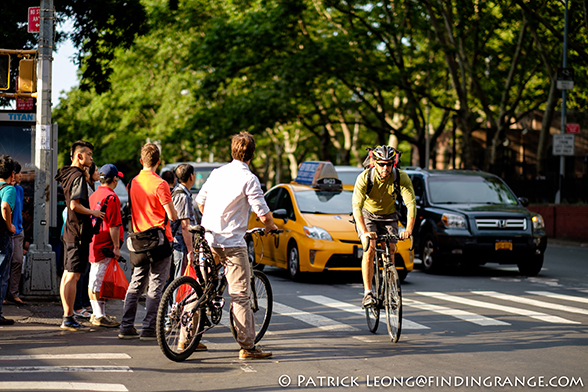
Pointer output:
78, 231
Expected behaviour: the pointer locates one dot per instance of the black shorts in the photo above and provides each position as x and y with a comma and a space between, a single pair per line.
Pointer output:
76, 257
380, 224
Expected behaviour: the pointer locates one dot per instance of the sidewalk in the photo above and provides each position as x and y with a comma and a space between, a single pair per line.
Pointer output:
44, 318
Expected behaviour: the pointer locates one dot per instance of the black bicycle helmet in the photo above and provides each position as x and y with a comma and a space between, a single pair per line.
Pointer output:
384, 153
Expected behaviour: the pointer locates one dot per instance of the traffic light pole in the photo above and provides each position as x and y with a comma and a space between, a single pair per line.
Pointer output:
41, 269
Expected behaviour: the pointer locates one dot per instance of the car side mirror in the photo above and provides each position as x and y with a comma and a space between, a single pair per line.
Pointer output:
524, 201
280, 213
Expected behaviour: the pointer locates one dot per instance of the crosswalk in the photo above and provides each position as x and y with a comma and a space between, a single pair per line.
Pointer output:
481, 308
23, 372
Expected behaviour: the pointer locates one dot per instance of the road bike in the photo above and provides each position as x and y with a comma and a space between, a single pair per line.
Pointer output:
386, 288
189, 307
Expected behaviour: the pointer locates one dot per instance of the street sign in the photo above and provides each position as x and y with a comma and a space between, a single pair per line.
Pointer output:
34, 19
573, 128
24, 104
563, 144
565, 78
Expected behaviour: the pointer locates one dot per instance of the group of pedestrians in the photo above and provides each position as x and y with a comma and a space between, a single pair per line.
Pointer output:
11, 233
224, 201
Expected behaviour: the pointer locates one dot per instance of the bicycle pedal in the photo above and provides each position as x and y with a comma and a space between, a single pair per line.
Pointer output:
218, 302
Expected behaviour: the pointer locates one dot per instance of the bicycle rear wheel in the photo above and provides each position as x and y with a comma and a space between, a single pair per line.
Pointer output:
262, 303
178, 323
393, 303
372, 313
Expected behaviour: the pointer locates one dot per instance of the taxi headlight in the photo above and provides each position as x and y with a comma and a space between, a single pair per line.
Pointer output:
317, 233
454, 221
538, 223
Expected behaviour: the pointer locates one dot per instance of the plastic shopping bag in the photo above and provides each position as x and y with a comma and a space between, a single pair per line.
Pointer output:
184, 290
115, 283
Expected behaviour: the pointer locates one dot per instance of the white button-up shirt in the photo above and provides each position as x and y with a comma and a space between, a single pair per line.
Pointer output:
227, 195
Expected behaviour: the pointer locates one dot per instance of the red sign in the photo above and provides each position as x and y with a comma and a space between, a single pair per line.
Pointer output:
34, 19
24, 104
573, 128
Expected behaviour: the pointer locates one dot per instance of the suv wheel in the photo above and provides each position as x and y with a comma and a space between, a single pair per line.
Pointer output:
429, 254
531, 266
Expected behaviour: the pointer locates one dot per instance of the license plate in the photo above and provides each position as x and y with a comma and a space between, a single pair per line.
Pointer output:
359, 252
503, 245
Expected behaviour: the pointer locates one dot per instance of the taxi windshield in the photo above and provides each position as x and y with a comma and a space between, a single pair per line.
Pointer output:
324, 202
469, 190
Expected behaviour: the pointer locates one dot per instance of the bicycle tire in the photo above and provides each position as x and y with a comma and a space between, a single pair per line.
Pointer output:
262, 303
393, 304
173, 318
372, 313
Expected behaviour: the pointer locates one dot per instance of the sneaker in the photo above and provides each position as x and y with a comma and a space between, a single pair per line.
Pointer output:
148, 336
130, 334
73, 326
104, 321
368, 300
5, 321
254, 353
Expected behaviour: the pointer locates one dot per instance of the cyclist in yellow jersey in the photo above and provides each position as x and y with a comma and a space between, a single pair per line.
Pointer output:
374, 209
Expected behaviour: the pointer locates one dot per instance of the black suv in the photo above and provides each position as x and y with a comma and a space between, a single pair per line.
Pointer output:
472, 217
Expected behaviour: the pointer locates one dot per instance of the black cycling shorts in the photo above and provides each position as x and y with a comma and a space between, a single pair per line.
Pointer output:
380, 224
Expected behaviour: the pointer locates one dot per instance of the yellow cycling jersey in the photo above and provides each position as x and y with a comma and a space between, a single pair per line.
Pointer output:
382, 197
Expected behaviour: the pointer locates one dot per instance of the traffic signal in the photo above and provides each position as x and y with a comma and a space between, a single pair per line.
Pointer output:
4, 71
27, 80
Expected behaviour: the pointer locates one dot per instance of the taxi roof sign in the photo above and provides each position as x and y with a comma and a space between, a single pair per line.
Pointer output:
318, 174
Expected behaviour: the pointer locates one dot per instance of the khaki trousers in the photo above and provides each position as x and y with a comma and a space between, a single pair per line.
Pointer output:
238, 273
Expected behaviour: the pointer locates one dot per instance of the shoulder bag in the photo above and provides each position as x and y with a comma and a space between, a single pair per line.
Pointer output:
149, 246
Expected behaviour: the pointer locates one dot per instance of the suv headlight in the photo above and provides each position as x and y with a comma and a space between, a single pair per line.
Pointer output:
538, 223
454, 221
317, 233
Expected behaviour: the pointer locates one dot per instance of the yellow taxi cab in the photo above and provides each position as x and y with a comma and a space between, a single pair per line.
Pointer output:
314, 212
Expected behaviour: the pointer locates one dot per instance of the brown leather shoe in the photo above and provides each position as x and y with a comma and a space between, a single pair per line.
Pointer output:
201, 347
254, 353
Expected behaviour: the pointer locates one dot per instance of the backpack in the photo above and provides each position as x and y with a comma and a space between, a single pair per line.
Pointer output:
369, 163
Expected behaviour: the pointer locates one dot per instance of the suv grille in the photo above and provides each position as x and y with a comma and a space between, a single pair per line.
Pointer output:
503, 224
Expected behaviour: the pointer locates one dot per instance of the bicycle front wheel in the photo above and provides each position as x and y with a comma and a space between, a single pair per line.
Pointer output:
262, 303
372, 313
179, 323
393, 303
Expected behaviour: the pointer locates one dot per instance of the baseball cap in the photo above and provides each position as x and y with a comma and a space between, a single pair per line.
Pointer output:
109, 171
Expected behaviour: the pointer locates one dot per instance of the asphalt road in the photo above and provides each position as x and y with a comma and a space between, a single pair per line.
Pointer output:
487, 328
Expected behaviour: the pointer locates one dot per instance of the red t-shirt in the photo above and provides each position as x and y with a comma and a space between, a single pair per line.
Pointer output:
149, 193
102, 240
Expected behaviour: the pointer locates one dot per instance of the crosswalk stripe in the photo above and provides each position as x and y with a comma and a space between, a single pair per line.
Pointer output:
64, 356
60, 386
64, 369
457, 313
347, 307
532, 302
507, 309
312, 319
559, 296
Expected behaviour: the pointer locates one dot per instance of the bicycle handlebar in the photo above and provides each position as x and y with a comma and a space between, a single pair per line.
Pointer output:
389, 238
262, 231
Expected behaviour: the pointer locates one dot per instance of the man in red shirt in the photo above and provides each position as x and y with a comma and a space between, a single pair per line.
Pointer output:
150, 201
107, 240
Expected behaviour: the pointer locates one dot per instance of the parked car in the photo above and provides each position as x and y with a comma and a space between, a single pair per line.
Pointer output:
202, 170
314, 212
348, 174
473, 218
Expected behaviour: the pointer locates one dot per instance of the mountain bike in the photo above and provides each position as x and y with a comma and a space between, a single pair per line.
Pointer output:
189, 307
386, 288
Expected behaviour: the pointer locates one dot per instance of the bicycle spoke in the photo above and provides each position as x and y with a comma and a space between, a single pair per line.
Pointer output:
178, 322
393, 303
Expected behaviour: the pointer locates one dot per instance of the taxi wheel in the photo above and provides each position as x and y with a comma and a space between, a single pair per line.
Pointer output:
293, 262
251, 254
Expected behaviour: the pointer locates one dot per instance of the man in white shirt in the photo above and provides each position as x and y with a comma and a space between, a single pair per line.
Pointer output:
224, 201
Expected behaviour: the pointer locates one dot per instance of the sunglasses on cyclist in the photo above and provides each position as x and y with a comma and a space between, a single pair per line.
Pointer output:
382, 164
